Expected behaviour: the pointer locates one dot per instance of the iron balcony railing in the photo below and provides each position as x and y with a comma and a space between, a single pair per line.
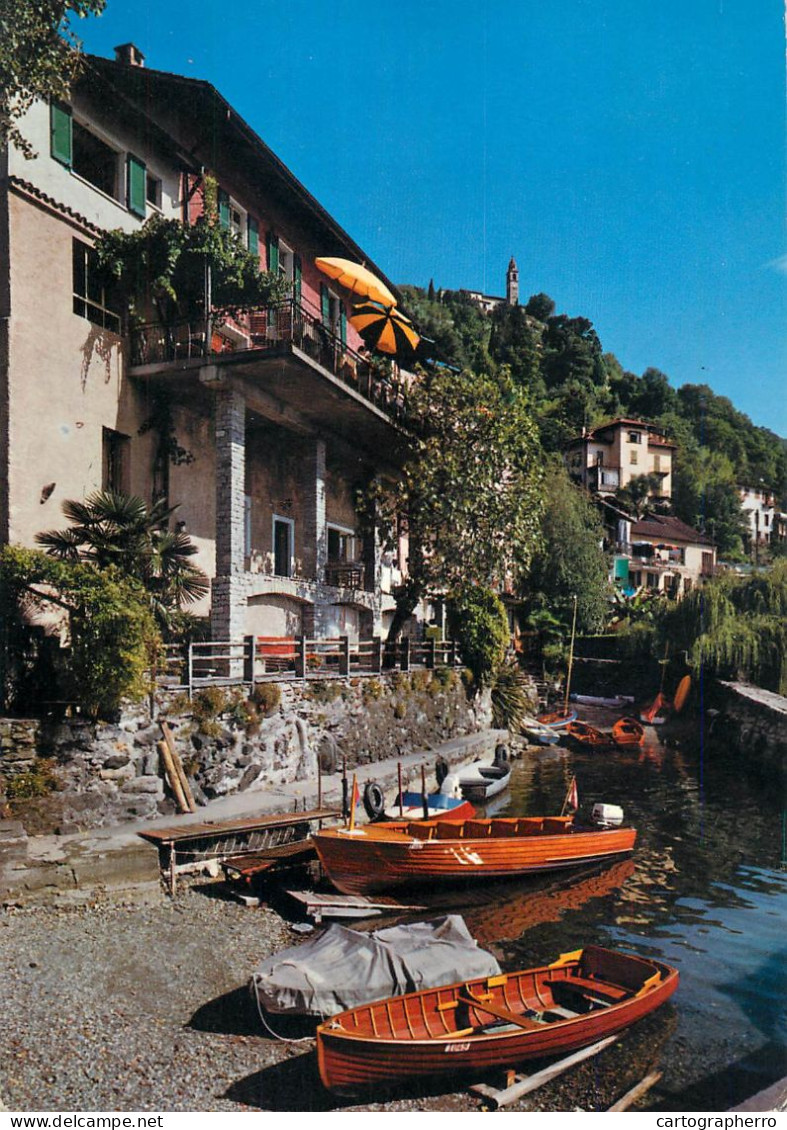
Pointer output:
269, 330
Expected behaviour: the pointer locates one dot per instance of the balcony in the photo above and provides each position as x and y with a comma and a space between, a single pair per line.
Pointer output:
602, 478
289, 332
344, 574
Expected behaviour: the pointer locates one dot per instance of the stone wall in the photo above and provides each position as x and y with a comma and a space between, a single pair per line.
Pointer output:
754, 721
105, 774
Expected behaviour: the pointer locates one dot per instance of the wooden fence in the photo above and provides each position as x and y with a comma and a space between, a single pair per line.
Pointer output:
257, 658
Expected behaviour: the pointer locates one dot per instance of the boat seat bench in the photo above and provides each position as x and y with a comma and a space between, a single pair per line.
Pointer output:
601, 989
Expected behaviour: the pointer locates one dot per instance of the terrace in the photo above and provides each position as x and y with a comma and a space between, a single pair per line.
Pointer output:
310, 357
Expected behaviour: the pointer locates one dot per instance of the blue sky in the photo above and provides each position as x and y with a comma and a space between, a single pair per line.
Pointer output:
630, 156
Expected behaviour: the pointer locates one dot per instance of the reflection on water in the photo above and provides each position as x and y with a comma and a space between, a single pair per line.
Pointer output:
704, 891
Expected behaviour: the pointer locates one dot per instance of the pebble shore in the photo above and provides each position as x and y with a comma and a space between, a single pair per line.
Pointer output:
142, 1005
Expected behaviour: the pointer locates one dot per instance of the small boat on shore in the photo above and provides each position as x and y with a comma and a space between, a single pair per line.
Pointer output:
411, 804
439, 806
497, 1021
480, 781
558, 720
613, 702
628, 732
586, 736
378, 857
539, 734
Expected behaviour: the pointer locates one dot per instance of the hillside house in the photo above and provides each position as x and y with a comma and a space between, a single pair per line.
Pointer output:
761, 514
279, 418
607, 458
657, 551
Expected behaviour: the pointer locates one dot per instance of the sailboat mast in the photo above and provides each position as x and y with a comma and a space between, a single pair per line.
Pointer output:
570, 657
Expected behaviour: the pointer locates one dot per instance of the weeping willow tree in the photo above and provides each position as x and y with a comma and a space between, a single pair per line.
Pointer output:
736, 628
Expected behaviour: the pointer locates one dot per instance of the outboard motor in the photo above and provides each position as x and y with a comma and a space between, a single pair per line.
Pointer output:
607, 815
451, 787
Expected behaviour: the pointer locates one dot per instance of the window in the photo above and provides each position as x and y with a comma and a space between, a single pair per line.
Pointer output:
231, 216
91, 298
94, 160
341, 544
286, 261
634, 458
635, 437
115, 462
283, 539
153, 190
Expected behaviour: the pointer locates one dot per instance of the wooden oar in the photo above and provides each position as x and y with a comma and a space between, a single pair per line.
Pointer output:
500, 1013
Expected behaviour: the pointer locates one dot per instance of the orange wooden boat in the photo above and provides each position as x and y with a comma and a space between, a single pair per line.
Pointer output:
628, 731
376, 857
499, 1021
587, 736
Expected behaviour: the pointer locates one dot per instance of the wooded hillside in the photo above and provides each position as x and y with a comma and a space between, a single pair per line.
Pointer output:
572, 383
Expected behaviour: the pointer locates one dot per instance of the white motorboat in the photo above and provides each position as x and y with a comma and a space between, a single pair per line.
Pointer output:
481, 780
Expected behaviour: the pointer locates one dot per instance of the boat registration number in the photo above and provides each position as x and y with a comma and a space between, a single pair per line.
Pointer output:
463, 1047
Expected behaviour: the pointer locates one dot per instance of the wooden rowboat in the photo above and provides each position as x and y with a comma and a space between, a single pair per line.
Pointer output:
628, 731
498, 1021
588, 737
559, 720
376, 857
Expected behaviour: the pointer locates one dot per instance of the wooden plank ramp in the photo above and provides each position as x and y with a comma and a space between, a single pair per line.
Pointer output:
636, 1092
330, 904
518, 1085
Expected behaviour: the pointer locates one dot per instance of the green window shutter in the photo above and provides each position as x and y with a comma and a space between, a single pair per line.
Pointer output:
224, 209
60, 133
297, 278
136, 185
254, 235
273, 252
325, 304
342, 327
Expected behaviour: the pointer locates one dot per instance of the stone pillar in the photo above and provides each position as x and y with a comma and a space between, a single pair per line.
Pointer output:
228, 602
315, 527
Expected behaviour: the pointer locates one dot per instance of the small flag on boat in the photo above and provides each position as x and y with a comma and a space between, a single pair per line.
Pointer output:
355, 797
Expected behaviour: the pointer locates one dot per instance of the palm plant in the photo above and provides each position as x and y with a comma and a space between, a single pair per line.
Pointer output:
117, 530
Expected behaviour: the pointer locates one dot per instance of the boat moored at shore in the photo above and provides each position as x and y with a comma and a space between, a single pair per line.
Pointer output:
377, 857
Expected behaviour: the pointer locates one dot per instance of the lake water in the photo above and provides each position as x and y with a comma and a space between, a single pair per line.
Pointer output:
706, 891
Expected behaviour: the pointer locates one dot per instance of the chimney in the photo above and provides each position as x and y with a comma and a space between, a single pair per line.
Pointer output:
130, 55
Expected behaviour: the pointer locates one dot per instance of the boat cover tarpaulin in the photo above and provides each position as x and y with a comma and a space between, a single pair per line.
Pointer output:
343, 968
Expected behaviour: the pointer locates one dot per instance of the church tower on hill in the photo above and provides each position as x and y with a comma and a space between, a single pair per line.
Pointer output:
512, 283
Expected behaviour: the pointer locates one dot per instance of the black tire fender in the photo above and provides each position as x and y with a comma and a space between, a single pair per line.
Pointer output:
373, 800
441, 768
501, 754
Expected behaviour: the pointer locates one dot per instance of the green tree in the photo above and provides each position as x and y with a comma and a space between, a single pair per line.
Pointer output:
39, 57
570, 560
635, 495
735, 628
478, 621
112, 636
514, 342
470, 487
540, 306
118, 531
